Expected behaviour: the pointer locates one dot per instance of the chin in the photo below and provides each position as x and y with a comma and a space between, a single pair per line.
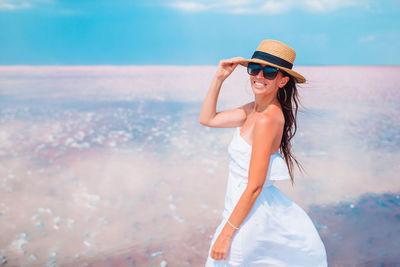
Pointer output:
260, 91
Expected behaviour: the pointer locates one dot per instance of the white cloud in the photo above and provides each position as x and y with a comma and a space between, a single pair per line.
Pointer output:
237, 3
189, 6
276, 7
239, 10
266, 6
13, 4
20, 4
329, 5
368, 38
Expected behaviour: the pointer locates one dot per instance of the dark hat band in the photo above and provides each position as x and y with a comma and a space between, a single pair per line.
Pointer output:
272, 59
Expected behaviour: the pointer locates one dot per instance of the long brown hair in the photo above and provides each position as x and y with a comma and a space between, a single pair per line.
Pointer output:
289, 99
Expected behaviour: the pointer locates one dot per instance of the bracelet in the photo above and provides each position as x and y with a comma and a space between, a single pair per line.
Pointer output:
232, 225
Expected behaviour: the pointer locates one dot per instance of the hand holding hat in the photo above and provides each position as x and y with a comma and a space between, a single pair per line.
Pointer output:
227, 66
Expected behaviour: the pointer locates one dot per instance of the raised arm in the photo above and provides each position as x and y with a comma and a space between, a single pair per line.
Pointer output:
224, 119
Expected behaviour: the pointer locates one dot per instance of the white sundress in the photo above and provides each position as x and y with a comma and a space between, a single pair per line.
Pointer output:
276, 232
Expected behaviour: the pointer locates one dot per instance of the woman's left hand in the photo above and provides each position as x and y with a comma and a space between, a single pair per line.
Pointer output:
219, 250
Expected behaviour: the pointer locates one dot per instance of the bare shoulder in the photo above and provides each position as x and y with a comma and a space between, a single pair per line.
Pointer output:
271, 119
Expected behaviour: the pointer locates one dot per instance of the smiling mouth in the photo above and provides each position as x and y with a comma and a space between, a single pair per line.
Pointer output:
258, 84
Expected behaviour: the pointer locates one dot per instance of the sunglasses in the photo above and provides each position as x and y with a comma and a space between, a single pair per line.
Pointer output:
269, 72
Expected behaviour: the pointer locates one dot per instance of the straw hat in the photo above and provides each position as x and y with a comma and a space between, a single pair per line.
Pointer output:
276, 54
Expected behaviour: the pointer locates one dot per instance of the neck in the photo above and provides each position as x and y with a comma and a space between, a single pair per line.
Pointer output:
262, 102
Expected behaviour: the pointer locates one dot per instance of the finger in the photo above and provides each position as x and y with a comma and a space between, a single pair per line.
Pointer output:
233, 66
215, 255
229, 62
232, 60
226, 62
237, 59
221, 255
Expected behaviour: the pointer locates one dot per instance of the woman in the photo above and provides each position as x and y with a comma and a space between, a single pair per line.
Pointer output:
261, 226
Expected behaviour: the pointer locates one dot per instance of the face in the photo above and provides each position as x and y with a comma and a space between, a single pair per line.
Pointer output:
260, 85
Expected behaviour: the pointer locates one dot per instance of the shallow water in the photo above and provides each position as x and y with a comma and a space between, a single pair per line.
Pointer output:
109, 166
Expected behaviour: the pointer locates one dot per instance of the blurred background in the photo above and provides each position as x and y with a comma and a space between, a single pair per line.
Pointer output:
103, 161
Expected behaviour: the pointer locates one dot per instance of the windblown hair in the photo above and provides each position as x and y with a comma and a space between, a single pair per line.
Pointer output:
289, 99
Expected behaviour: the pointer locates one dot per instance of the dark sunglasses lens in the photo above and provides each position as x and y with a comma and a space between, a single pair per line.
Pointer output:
253, 69
270, 72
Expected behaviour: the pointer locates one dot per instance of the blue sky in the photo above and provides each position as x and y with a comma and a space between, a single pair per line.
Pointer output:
198, 32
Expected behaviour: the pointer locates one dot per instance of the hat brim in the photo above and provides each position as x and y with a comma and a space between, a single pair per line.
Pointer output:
297, 76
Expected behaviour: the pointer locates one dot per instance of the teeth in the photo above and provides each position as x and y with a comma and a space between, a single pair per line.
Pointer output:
259, 84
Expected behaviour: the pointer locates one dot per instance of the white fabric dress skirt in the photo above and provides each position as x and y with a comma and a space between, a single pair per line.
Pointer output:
276, 232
